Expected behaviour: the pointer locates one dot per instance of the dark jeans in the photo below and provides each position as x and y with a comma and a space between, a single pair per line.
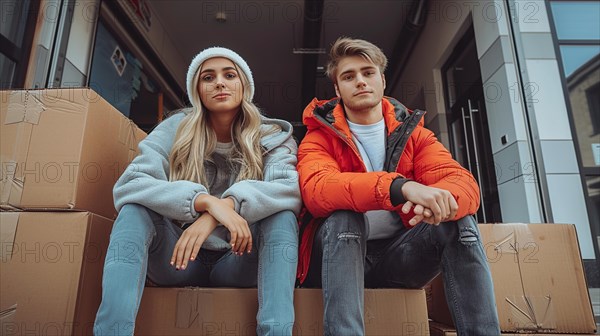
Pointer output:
343, 262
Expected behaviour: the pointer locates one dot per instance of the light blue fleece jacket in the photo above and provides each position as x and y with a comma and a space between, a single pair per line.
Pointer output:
146, 180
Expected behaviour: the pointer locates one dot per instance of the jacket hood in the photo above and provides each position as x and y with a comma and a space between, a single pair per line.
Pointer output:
331, 112
275, 139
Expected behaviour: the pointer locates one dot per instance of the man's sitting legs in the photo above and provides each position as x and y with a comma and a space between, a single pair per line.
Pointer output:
416, 256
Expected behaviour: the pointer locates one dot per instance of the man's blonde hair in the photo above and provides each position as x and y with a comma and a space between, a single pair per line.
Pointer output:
346, 46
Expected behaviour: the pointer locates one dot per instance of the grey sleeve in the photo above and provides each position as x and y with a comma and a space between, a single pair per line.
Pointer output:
146, 180
279, 190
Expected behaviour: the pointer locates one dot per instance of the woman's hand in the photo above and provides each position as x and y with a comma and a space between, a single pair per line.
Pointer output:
223, 211
187, 247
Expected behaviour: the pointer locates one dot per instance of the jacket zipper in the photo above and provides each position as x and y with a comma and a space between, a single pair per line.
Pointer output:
406, 128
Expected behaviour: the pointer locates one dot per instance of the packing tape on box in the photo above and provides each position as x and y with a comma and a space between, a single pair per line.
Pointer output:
193, 309
25, 106
24, 109
527, 312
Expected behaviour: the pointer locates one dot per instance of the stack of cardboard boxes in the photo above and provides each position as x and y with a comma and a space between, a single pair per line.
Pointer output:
62, 150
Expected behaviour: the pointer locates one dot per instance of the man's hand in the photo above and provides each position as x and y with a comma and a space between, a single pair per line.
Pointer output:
432, 205
188, 245
223, 211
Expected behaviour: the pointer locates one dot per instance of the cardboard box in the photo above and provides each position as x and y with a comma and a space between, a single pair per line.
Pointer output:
538, 277
387, 312
52, 280
439, 329
62, 149
220, 311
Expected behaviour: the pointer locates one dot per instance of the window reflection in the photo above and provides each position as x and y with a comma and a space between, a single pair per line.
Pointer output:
575, 56
593, 98
584, 92
577, 26
593, 184
576, 20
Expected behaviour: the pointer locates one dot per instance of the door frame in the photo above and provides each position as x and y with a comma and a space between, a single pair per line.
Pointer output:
488, 215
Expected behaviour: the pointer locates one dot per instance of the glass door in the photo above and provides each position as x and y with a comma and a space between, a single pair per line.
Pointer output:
469, 130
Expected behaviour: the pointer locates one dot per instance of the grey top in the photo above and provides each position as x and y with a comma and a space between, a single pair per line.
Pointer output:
226, 170
145, 181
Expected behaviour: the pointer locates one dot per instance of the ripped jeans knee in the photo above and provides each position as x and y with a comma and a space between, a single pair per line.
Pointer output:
346, 226
468, 233
349, 235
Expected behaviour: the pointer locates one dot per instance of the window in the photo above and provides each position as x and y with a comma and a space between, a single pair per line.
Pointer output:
577, 26
576, 20
593, 98
17, 25
119, 76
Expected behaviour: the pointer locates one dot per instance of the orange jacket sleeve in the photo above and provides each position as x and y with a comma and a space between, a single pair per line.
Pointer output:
434, 166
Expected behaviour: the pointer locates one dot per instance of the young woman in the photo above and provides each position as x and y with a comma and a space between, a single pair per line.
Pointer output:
210, 201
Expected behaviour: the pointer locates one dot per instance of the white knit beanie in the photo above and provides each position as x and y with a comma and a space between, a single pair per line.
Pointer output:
217, 52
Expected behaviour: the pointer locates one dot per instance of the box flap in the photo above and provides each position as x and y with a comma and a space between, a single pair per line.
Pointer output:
8, 228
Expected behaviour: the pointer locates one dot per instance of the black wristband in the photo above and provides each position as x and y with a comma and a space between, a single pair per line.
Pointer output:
396, 195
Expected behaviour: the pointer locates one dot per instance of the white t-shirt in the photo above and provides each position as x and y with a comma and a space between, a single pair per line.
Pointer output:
370, 140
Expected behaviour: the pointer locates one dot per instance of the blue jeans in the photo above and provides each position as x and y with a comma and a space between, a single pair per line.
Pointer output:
343, 262
142, 243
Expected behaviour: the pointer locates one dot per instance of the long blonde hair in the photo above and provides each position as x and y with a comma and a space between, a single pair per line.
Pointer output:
195, 140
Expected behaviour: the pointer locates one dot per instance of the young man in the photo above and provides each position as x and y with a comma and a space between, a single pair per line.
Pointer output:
387, 205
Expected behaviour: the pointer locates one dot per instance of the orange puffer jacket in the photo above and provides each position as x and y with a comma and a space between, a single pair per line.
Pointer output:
334, 177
